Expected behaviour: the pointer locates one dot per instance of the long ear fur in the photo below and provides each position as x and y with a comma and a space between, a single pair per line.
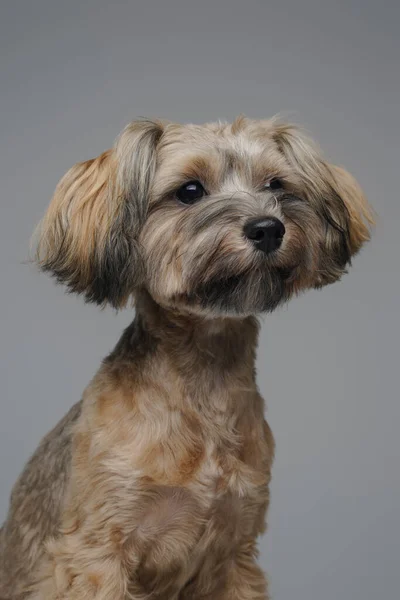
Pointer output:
335, 196
360, 213
88, 237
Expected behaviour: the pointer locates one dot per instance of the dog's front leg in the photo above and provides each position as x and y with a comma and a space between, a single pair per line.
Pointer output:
80, 567
245, 579
123, 548
238, 577
75, 569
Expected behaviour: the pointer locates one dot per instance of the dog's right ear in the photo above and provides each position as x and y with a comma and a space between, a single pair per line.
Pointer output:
88, 237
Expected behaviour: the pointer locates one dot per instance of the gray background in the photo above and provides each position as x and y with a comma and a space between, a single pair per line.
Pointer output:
73, 73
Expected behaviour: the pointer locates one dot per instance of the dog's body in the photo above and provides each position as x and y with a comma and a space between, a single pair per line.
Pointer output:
156, 484
169, 474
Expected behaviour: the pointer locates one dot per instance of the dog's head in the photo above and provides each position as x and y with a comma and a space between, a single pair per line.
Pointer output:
213, 219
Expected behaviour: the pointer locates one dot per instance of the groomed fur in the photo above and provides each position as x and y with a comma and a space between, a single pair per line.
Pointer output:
155, 486
88, 238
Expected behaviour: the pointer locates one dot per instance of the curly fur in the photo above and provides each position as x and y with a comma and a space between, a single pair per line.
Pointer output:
155, 485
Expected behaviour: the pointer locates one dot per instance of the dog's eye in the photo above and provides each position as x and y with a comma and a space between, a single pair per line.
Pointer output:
274, 184
190, 192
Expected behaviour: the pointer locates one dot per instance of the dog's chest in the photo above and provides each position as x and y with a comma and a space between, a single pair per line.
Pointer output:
222, 462
204, 518
198, 486
232, 489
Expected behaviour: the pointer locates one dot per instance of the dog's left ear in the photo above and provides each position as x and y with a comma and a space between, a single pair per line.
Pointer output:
88, 237
335, 196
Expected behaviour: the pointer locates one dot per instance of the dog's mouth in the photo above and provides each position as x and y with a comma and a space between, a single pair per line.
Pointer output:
250, 292
288, 273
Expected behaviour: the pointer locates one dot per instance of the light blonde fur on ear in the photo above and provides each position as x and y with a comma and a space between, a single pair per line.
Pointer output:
77, 222
332, 189
360, 213
88, 238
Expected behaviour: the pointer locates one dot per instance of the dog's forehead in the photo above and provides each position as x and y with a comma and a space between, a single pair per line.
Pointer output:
218, 149
218, 138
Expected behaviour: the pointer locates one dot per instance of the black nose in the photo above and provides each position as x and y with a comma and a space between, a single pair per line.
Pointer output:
266, 234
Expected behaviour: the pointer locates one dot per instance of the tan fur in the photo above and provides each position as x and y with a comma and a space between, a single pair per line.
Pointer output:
361, 216
156, 485
79, 216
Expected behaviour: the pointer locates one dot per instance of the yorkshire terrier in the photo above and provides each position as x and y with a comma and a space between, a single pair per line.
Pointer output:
155, 485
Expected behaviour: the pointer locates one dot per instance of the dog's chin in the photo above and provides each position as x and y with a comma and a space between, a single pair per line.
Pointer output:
241, 295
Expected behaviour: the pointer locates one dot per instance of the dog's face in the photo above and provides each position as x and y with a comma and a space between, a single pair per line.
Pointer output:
216, 219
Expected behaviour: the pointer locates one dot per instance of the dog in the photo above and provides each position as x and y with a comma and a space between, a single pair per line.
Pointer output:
156, 484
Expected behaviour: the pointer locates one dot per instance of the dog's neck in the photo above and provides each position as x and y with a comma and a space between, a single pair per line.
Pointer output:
206, 354
221, 342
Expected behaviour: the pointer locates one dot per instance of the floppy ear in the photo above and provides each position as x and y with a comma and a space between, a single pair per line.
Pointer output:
360, 214
335, 196
88, 237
